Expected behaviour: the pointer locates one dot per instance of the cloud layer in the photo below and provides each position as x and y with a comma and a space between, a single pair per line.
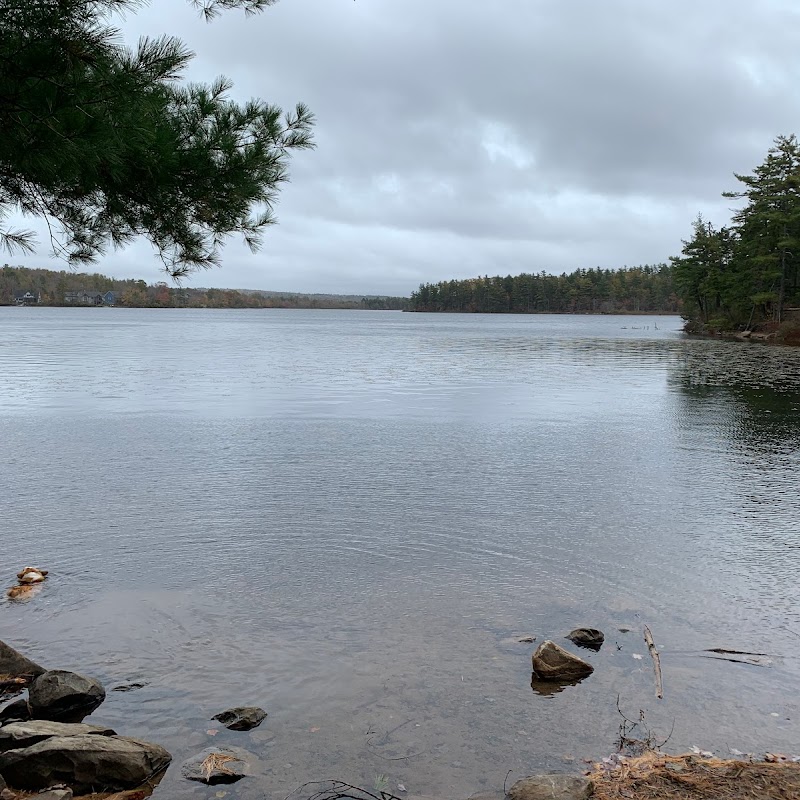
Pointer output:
457, 139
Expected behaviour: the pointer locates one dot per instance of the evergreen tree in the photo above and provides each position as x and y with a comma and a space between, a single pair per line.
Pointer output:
107, 143
768, 227
702, 272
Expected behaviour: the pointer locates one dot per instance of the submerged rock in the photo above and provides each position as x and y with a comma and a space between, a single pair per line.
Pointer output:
590, 638
555, 786
17, 735
553, 663
217, 765
15, 664
64, 696
85, 763
241, 718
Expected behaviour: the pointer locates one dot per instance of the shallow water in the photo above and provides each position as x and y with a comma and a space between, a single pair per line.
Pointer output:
347, 518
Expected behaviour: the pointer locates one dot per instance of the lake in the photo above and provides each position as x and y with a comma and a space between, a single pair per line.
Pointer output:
349, 518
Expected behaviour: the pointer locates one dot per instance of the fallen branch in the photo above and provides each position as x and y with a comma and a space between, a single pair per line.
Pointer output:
651, 646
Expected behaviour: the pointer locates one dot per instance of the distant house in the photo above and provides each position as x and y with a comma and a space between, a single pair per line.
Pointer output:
89, 298
25, 297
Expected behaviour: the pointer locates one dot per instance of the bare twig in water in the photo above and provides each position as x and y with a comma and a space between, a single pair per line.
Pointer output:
627, 741
505, 780
651, 646
385, 739
339, 790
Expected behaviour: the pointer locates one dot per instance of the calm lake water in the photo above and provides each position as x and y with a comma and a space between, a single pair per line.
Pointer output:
348, 518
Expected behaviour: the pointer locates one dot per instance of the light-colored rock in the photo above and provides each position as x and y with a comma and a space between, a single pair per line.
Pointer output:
16, 735
554, 663
241, 718
15, 664
554, 786
84, 763
64, 696
55, 794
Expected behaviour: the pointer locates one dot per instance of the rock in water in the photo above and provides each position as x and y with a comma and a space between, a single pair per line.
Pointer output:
64, 696
16, 735
241, 718
553, 663
217, 765
86, 763
551, 787
590, 638
15, 664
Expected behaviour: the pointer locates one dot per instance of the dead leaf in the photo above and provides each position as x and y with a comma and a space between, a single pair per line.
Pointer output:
314, 729
215, 762
212, 732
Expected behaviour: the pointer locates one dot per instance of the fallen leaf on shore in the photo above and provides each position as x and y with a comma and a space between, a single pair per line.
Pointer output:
212, 732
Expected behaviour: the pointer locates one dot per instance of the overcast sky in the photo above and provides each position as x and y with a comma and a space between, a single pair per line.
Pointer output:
457, 138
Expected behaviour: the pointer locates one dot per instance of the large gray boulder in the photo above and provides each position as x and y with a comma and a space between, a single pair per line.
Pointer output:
86, 763
241, 718
554, 786
554, 663
17, 735
15, 664
64, 696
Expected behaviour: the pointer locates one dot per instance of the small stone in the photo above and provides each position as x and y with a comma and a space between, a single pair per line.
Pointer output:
590, 638
241, 718
217, 765
64, 696
555, 786
553, 663
129, 687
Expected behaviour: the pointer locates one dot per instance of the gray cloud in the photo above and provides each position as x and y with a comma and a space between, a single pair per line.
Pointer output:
462, 138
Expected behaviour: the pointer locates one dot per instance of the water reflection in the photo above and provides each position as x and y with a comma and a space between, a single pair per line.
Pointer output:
544, 688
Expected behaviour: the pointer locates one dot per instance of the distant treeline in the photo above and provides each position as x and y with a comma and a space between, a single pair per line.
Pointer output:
52, 289
585, 291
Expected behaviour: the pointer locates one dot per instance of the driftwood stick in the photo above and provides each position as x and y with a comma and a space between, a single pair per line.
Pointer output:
651, 646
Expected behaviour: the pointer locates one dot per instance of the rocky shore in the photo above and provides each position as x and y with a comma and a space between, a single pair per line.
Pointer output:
48, 750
